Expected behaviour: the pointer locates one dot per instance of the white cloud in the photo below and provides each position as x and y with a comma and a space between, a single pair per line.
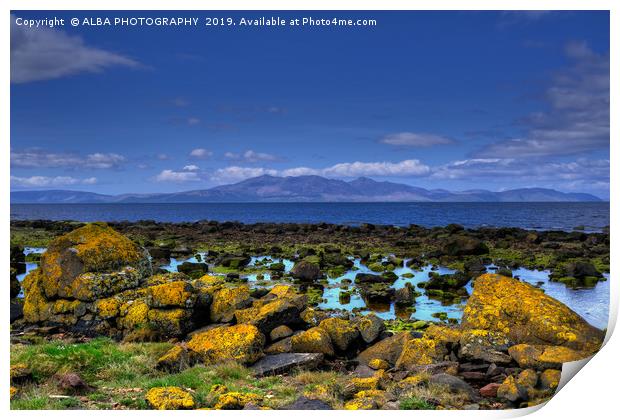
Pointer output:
415, 139
191, 168
200, 154
582, 170
410, 167
578, 117
44, 53
168, 175
46, 181
39, 158
238, 173
405, 168
250, 156
193, 121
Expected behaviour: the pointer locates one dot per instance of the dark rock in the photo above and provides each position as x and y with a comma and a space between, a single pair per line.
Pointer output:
303, 403
72, 383
306, 271
193, 269
361, 278
460, 245
17, 310
16, 287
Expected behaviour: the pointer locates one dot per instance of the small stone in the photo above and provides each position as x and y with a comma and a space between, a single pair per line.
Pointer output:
280, 332
490, 390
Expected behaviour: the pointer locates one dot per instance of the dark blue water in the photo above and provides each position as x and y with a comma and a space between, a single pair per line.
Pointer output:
540, 216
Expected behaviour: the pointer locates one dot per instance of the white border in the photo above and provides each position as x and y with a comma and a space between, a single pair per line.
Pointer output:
592, 395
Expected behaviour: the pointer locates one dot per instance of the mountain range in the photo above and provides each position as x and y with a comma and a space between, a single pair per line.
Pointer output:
268, 188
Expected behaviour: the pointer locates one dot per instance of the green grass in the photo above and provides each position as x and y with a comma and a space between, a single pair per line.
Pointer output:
415, 403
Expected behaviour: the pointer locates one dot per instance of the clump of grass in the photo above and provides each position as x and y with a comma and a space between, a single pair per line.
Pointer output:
415, 403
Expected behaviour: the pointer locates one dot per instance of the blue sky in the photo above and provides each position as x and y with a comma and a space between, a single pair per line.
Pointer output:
454, 100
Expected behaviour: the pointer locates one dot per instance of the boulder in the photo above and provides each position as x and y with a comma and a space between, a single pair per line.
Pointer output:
459, 245
278, 364
420, 351
550, 379
388, 349
489, 346
341, 332
227, 300
525, 314
314, 340
282, 305
306, 271
544, 357
490, 390
240, 343
236, 400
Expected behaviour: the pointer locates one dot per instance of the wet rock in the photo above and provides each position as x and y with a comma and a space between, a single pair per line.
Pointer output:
306, 271
193, 269
404, 296
278, 364
459, 245
526, 314
169, 398
314, 340
303, 403
233, 261
361, 278
241, 343
447, 282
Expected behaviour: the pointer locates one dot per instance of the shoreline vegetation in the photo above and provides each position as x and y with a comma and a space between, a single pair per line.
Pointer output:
97, 323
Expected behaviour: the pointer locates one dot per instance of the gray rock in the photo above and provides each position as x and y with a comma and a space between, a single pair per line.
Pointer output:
455, 384
275, 364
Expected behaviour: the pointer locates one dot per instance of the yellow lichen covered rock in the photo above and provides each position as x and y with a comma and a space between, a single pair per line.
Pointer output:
543, 357
443, 334
378, 364
236, 400
314, 340
388, 349
550, 379
175, 359
178, 293
227, 300
367, 400
169, 322
93, 248
240, 343
526, 314
420, 351
341, 332
169, 398
14, 391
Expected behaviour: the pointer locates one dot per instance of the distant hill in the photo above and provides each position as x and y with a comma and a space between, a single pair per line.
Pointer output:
268, 188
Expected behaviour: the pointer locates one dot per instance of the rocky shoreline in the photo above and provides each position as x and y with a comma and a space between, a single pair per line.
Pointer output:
98, 280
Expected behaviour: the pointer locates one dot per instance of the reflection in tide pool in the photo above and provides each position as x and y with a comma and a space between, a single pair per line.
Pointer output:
591, 303
423, 308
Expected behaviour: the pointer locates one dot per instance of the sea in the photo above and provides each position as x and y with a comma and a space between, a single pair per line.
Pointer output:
588, 217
